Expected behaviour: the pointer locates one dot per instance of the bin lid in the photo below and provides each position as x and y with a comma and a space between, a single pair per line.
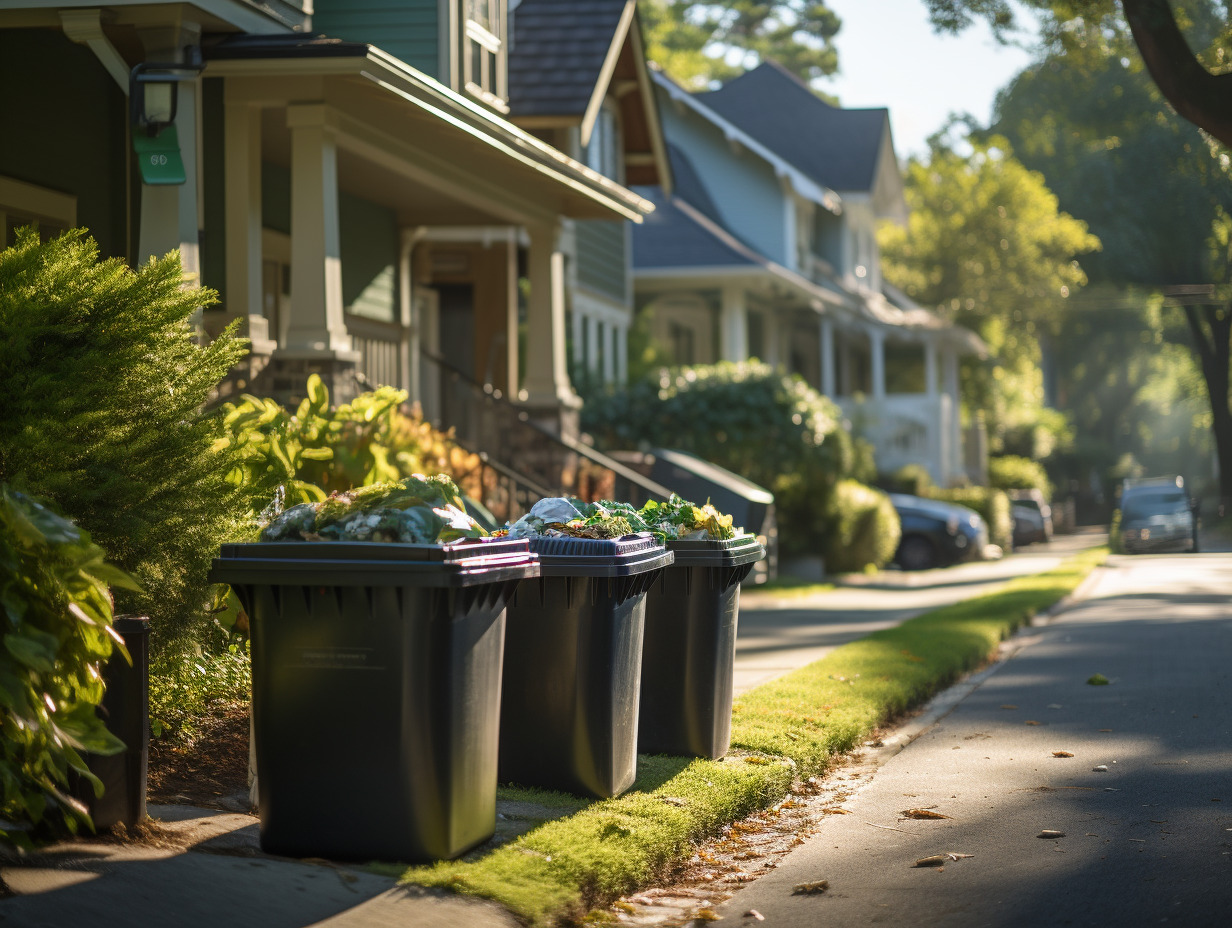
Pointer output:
716, 552
566, 556
467, 562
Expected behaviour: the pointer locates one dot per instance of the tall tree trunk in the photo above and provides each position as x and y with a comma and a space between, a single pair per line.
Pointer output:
1212, 332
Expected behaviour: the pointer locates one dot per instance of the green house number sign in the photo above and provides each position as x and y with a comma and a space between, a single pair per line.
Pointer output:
159, 159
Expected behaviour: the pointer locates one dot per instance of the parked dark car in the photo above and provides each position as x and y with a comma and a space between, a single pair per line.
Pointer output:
1157, 514
1032, 517
937, 534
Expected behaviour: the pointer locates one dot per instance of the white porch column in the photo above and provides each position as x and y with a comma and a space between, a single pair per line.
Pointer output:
930, 368
949, 374
876, 345
579, 340
828, 380
242, 177
733, 325
622, 356
511, 313
169, 218
317, 322
547, 377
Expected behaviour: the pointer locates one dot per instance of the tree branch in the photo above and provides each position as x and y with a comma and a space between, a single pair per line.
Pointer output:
1203, 98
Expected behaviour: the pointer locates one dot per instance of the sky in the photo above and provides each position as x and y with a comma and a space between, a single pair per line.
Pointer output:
890, 56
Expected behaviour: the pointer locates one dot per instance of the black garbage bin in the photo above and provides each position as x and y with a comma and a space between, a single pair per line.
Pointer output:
690, 647
125, 710
573, 655
376, 674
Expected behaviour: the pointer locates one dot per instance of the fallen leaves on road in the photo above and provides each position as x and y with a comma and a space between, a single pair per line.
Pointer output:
1098, 680
921, 813
753, 913
706, 915
1062, 754
1030, 722
1050, 833
1009, 707
1100, 768
810, 889
940, 860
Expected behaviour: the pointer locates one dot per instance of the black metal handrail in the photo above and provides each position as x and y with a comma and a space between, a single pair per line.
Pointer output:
488, 424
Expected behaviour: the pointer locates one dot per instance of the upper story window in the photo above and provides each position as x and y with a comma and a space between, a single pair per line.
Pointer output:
484, 52
602, 152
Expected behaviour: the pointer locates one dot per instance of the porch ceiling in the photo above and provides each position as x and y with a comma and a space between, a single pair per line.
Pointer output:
421, 146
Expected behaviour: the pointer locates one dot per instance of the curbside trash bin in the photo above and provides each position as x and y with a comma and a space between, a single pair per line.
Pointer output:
376, 674
573, 654
690, 647
125, 709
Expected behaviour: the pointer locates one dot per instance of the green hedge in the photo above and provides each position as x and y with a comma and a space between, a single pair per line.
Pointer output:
989, 502
1010, 472
53, 584
751, 418
864, 529
102, 383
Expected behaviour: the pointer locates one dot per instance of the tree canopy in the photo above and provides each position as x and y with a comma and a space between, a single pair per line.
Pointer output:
699, 43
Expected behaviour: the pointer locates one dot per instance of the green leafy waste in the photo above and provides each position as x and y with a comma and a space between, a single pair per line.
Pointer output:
417, 510
675, 519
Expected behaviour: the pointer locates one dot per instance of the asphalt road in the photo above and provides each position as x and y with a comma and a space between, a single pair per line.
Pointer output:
780, 632
1143, 795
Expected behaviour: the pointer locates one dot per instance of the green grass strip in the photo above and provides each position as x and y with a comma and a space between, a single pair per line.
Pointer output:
790, 727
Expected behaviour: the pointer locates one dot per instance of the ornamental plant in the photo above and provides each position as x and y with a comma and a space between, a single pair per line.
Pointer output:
57, 633
102, 386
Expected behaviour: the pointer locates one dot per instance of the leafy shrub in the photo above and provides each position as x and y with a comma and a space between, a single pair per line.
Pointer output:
102, 384
1010, 472
53, 584
319, 450
767, 426
863, 529
989, 502
912, 479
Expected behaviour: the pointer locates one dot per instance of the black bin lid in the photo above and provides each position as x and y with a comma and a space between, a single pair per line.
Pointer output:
468, 562
566, 556
716, 552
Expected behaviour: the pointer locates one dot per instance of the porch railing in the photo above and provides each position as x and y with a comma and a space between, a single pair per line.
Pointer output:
502, 433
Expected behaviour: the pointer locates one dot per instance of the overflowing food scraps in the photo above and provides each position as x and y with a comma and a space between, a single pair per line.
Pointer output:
417, 510
676, 519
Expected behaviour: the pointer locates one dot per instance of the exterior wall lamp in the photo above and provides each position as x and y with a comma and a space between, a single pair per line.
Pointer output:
153, 98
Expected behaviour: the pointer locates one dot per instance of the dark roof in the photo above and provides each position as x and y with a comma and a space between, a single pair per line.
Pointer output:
557, 53
671, 238
838, 148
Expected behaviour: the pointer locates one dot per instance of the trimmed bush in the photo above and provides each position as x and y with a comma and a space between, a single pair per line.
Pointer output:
913, 479
864, 529
53, 583
766, 425
102, 384
991, 503
1010, 472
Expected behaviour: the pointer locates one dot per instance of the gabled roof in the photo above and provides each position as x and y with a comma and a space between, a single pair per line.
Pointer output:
557, 54
567, 56
838, 148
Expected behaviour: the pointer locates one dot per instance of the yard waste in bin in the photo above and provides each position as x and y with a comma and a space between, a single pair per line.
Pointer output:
573, 650
690, 646
376, 673
126, 711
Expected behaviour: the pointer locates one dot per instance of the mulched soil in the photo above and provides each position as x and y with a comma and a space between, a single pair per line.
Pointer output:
212, 769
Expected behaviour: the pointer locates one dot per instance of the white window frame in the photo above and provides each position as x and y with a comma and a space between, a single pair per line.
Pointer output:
36, 204
491, 88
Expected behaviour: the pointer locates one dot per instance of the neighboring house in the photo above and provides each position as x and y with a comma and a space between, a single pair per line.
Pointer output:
767, 249
339, 160
578, 79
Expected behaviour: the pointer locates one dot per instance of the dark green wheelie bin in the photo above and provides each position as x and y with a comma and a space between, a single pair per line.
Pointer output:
573, 651
690, 647
376, 675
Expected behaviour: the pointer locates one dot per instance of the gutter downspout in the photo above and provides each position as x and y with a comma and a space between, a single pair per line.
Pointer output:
408, 348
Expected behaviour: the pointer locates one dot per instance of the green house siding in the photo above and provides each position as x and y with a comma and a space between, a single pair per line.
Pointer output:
62, 120
602, 258
407, 29
369, 258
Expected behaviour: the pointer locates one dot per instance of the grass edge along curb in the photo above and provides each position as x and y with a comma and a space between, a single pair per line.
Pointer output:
787, 728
